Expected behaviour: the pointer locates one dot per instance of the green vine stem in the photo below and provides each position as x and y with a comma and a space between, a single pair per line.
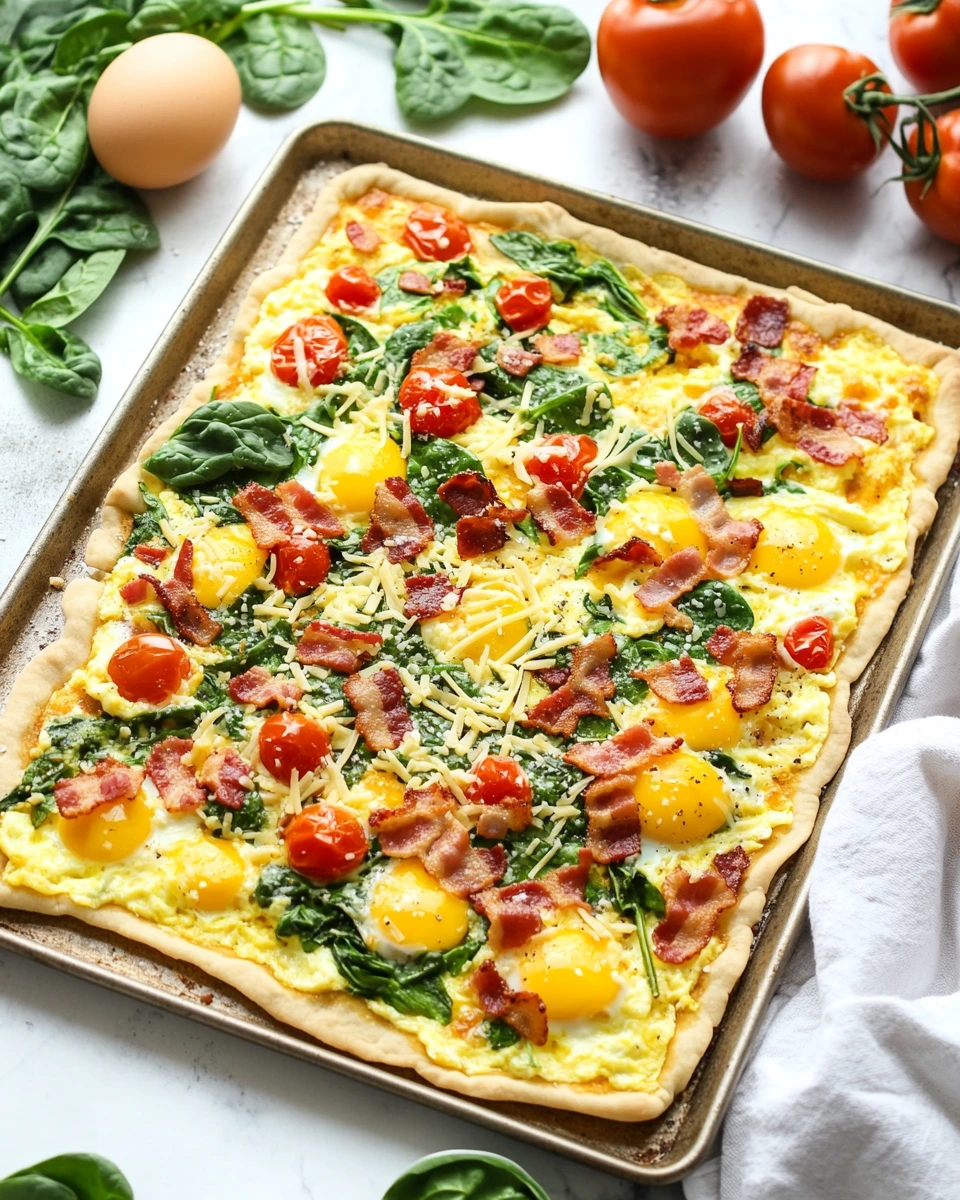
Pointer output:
920, 7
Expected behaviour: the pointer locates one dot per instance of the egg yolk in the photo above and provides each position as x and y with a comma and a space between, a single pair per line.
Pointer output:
210, 873
795, 549
682, 799
226, 561
712, 724
664, 521
386, 786
351, 470
411, 910
572, 972
110, 833
482, 620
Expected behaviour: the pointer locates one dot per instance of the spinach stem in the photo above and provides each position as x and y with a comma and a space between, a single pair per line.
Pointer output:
646, 952
44, 229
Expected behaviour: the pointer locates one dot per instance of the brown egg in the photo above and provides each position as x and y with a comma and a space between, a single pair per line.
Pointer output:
163, 110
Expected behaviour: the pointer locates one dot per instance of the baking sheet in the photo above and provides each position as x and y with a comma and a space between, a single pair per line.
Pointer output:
652, 1152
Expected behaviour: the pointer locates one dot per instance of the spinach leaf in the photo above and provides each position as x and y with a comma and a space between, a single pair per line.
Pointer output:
603, 275
172, 16
432, 78
68, 1177
408, 649
634, 654
556, 261
43, 129
727, 763
465, 1175
500, 1035
76, 290
465, 269
399, 347
360, 340
634, 896
146, 525
431, 463
708, 605
251, 818
619, 358
558, 395
392, 296
53, 357
88, 37
42, 273
14, 202
780, 483
703, 436
279, 60
612, 483
101, 214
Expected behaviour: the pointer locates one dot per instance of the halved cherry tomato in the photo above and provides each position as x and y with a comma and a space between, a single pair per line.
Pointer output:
525, 303
324, 349
563, 458
807, 118
290, 741
352, 289
809, 642
938, 205
676, 70
302, 565
148, 668
325, 843
926, 44
498, 778
727, 413
435, 234
425, 395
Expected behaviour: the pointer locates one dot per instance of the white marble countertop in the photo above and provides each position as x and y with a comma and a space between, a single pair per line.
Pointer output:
193, 1113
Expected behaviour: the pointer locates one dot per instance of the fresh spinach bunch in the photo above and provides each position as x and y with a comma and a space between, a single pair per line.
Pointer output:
68, 1177
459, 1175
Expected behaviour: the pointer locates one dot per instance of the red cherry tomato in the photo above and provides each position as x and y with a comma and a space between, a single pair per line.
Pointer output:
525, 303
563, 458
436, 234
148, 668
325, 843
425, 395
807, 118
938, 206
727, 413
926, 45
302, 565
676, 70
352, 289
290, 741
810, 643
324, 349
498, 779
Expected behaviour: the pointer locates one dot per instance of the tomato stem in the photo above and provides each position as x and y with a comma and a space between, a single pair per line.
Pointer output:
921, 7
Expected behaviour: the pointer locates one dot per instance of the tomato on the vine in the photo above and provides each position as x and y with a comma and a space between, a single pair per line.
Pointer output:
148, 668
563, 458
302, 565
498, 778
436, 234
809, 642
439, 400
324, 349
290, 742
525, 303
677, 69
352, 289
938, 204
925, 40
806, 115
325, 843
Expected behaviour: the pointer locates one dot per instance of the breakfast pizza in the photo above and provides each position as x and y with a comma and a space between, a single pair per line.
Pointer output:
459, 664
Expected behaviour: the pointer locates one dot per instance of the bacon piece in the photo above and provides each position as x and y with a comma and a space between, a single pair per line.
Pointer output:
469, 494
136, 591
815, 430
753, 657
515, 912
561, 518
585, 693
693, 907
554, 677
152, 555
613, 818
763, 321
259, 688
745, 487
523, 1011
413, 827
382, 718
677, 681
429, 596
399, 522
730, 542
226, 774
266, 514
626, 753
681, 572
635, 551
558, 348
731, 866
305, 509
416, 282
343, 650
446, 350
510, 813
374, 200
110, 782
362, 237
454, 287
517, 361
784, 378
480, 535
748, 366
690, 327
861, 422
173, 779
177, 596
483, 518
460, 868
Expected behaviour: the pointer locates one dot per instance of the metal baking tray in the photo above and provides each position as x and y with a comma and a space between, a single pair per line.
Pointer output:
653, 1152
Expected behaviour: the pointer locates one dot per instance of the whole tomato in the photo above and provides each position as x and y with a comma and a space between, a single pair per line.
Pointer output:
807, 117
925, 40
938, 205
679, 68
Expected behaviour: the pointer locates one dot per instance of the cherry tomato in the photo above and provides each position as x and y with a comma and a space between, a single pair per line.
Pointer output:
325, 843
290, 741
525, 303
302, 565
352, 289
148, 668
676, 70
425, 395
498, 779
563, 458
938, 206
926, 45
436, 234
324, 349
809, 642
807, 118
727, 413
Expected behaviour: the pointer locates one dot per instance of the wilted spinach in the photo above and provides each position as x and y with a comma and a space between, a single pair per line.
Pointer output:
146, 525
634, 895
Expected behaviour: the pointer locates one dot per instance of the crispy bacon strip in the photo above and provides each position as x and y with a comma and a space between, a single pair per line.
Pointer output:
110, 782
430, 595
343, 650
816, 430
483, 518
861, 422
411, 829
177, 596
732, 866
681, 572
480, 535
511, 813
693, 907
558, 514
362, 237
399, 522
677, 681
554, 677
469, 494
460, 868
266, 514
226, 774
690, 327
585, 693
415, 282
784, 378
753, 657
763, 321
613, 818
382, 718
259, 688
558, 348
152, 555
446, 350
305, 509
730, 542
516, 912
745, 486
136, 591
523, 1011
515, 360
626, 753
635, 551
173, 779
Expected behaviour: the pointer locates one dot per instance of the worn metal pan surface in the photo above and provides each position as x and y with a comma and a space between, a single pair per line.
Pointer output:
654, 1152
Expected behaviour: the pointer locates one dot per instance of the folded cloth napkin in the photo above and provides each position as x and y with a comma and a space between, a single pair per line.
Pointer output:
853, 1091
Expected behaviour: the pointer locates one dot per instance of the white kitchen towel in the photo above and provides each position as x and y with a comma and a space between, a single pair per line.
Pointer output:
853, 1091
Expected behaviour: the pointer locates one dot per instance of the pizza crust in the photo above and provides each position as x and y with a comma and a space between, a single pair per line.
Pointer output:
343, 1021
